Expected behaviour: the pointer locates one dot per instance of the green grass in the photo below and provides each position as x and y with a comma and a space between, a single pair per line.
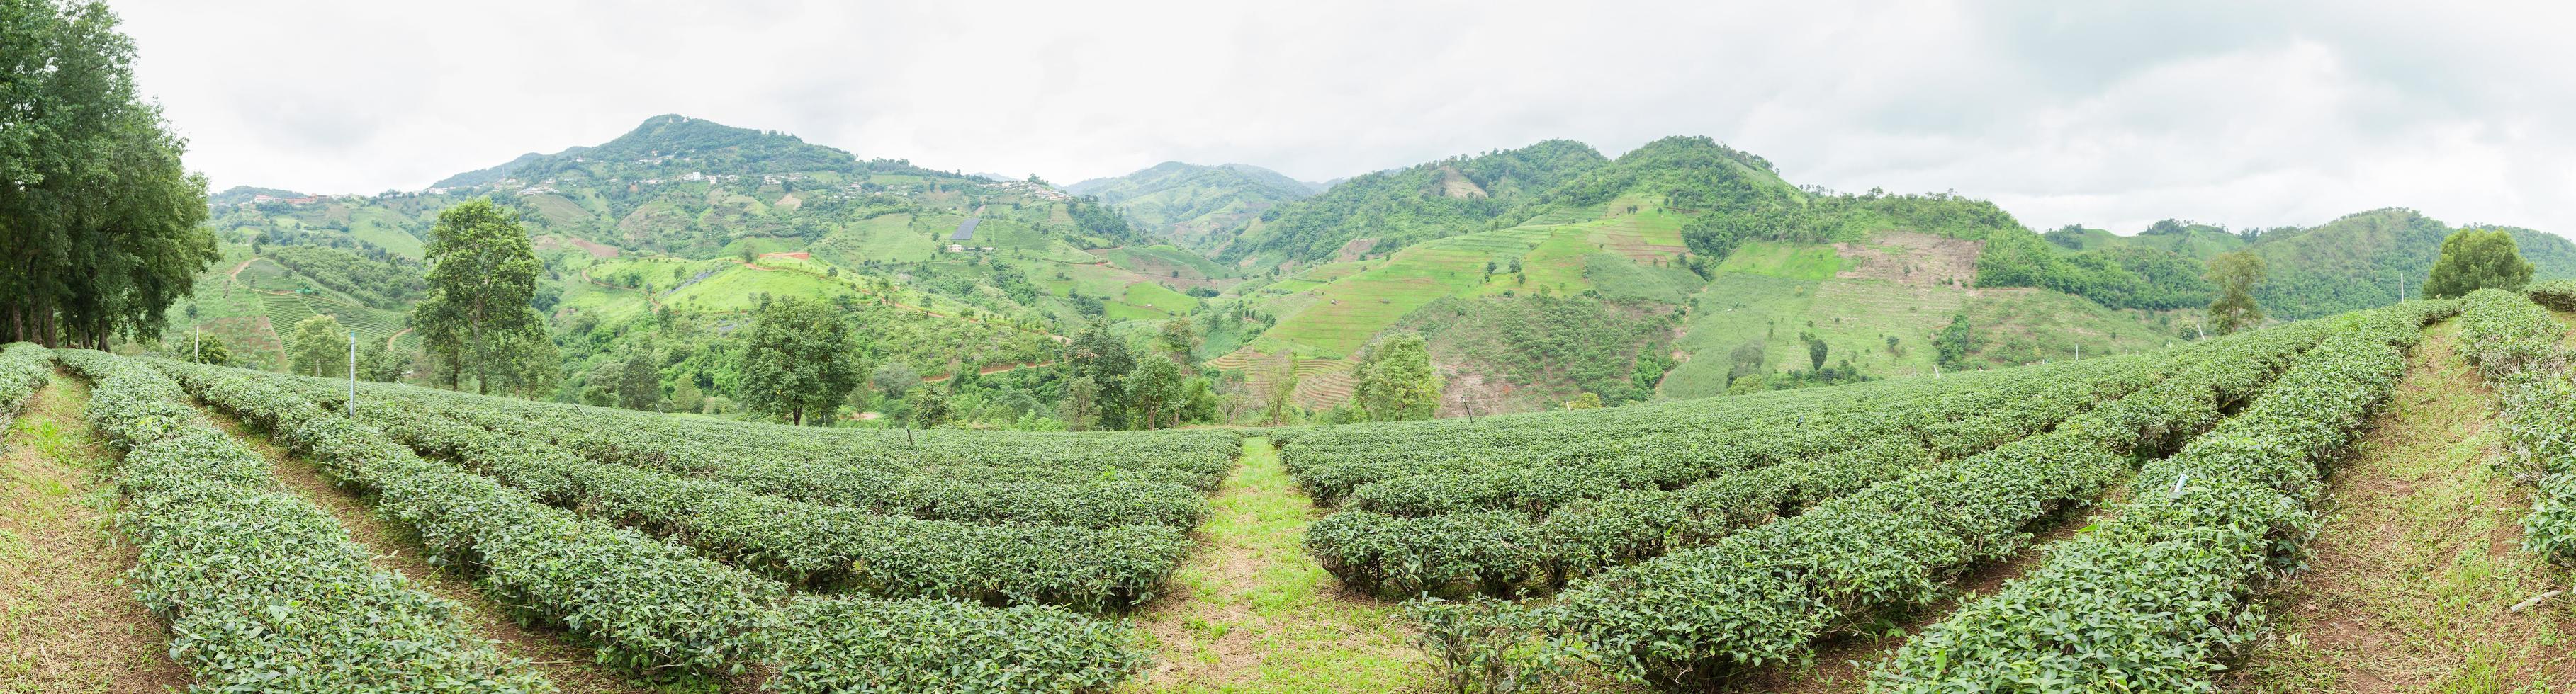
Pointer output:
1619, 278
1735, 309
884, 238
1353, 301
1258, 615
381, 227
1791, 261
2413, 574
67, 625
761, 244
2021, 326
556, 209
736, 289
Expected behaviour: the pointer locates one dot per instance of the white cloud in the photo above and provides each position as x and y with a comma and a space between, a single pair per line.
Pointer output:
2105, 114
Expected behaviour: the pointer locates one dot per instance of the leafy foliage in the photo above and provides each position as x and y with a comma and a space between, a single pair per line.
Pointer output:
2160, 597
319, 347
265, 591
1396, 380
98, 216
617, 587
1402, 207
2474, 259
477, 319
377, 279
2236, 275
797, 364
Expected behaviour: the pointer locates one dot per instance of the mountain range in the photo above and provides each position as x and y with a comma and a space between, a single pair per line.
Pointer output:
1676, 269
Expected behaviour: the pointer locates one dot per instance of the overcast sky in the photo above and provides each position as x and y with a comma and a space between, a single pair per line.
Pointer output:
2108, 114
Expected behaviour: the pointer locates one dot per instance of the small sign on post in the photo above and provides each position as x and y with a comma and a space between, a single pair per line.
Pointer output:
353, 374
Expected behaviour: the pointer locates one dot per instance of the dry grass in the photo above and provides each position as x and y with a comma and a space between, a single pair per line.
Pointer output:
65, 623
2411, 581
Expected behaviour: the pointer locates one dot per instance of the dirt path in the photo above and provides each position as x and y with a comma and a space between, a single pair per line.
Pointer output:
570, 667
2413, 576
65, 624
1253, 613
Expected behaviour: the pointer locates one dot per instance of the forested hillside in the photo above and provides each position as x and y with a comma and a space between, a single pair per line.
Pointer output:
1405, 206
1187, 203
663, 240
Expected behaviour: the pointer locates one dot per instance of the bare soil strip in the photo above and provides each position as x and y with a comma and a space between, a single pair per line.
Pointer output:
568, 665
65, 624
1254, 613
2412, 578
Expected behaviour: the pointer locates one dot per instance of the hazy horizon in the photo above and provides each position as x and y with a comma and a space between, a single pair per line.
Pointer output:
2111, 118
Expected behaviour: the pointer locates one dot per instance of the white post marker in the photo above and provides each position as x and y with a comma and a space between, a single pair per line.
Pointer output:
353, 374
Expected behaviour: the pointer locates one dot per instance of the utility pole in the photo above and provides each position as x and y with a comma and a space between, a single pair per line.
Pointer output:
353, 374
197, 348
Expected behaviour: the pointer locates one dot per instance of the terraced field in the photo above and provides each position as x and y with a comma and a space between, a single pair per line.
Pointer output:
2156, 499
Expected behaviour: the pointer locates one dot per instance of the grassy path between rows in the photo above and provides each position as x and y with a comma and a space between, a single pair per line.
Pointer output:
1252, 612
65, 624
569, 666
2413, 576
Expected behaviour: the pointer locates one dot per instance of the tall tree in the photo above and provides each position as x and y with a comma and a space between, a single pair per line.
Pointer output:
1180, 337
378, 361
1154, 394
1106, 360
477, 319
1397, 381
639, 384
99, 220
1279, 390
200, 347
2236, 274
798, 362
2474, 259
1080, 407
320, 347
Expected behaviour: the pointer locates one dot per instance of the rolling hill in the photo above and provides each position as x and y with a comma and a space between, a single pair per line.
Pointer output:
1188, 203
1732, 270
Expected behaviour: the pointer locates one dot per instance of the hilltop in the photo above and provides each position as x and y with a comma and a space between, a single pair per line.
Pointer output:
1187, 203
1675, 270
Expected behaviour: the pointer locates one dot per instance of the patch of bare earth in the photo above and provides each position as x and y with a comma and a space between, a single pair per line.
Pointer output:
1911, 258
2412, 580
1356, 249
65, 623
569, 666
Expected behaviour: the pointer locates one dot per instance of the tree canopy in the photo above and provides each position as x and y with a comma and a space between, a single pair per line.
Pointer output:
320, 347
2474, 259
477, 318
99, 221
2236, 274
1397, 381
798, 363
